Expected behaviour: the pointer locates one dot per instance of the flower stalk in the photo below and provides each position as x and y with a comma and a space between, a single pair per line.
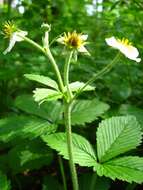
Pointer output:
49, 55
98, 75
66, 75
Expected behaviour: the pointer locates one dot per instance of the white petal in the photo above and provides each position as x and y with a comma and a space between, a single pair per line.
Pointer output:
138, 60
19, 35
11, 44
130, 52
16, 37
61, 40
112, 42
84, 37
82, 49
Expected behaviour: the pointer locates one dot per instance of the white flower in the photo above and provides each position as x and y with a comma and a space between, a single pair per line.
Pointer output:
125, 47
74, 41
15, 37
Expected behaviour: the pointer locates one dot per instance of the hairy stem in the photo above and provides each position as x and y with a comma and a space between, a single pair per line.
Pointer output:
49, 55
67, 118
58, 74
66, 74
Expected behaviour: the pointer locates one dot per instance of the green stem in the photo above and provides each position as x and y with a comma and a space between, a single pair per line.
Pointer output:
67, 117
98, 75
33, 43
53, 62
49, 55
62, 172
66, 74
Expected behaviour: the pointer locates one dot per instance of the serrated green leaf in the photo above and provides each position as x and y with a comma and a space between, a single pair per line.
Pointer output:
128, 168
51, 111
117, 135
75, 86
4, 183
83, 152
127, 109
24, 127
42, 79
86, 111
29, 155
44, 94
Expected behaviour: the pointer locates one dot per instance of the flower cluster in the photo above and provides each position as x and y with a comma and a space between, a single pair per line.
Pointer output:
72, 40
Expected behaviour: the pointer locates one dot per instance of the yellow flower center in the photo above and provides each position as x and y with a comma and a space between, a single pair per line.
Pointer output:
9, 28
124, 42
73, 40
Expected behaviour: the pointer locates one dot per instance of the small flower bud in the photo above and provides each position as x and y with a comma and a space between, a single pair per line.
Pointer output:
46, 27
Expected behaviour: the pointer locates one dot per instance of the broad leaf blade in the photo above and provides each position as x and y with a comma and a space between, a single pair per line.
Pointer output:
29, 155
116, 136
43, 94
43, 80
86, 111
128, 168
4, 183
21, 127
83, 152
51, 111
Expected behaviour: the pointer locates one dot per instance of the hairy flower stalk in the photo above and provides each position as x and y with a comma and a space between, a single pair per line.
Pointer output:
75, 43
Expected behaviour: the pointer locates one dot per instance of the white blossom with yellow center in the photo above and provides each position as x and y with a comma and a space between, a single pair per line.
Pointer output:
74, 41
125, 47
15, 35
